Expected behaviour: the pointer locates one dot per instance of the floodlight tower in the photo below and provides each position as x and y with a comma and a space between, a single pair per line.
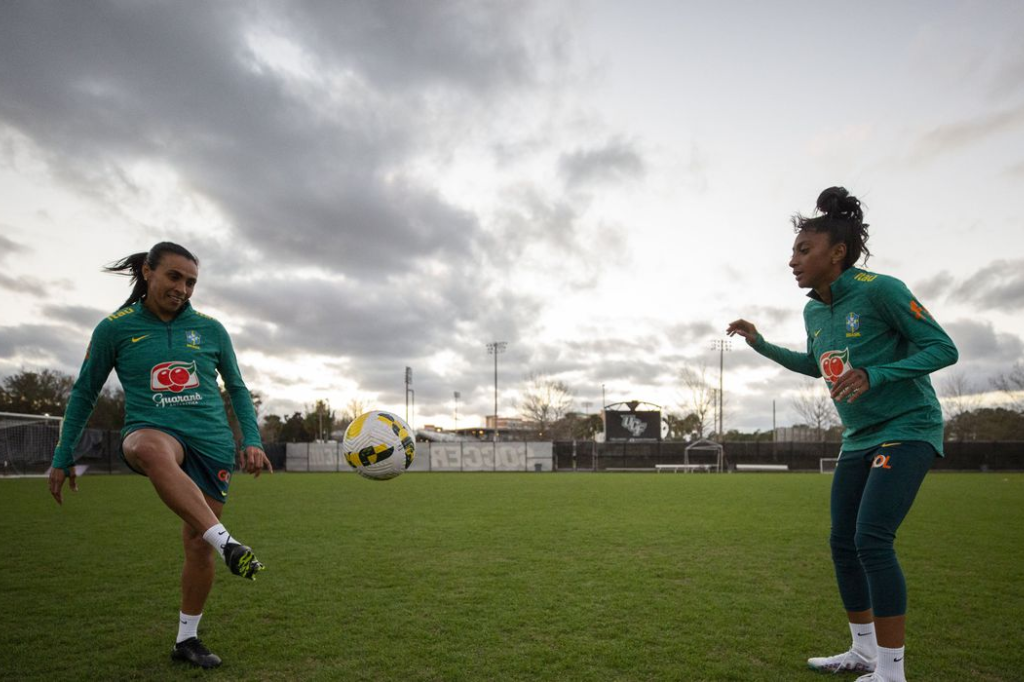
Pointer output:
409, 392
721, 345
496, 348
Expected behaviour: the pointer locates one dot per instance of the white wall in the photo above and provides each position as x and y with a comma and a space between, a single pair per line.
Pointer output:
461, 456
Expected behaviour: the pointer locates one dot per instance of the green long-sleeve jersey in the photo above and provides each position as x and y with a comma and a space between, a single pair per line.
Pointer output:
875, 324
169, 374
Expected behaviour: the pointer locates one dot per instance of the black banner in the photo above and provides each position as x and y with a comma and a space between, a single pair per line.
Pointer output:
632, 426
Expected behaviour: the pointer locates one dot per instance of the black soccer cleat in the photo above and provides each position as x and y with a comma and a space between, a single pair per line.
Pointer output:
193, 652
242, 561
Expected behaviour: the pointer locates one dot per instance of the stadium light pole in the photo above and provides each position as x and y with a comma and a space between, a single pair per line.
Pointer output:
408, 389
721, 345
496, 348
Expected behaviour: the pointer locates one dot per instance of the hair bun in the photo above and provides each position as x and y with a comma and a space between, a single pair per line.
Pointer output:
831, 201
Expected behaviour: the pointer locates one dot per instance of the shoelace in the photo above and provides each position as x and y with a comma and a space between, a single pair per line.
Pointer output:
842, 661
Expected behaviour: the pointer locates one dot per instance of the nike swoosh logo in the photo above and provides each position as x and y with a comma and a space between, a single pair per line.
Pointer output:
861, 634
816, 333
889, 445
136, 339
897, 660
184, 623
221, 532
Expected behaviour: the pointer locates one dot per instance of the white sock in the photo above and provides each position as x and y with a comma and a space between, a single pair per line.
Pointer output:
864, 642
187, 626
890, 664
218, 536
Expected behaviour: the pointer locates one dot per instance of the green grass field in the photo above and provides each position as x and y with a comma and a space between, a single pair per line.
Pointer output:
502, 577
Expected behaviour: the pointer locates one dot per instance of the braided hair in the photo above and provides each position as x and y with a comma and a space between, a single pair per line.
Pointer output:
131, 266
841, 216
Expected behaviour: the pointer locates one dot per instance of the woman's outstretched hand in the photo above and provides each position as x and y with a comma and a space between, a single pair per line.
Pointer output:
745, 329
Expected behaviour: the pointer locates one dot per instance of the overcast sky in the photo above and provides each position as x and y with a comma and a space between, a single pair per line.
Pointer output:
602, 185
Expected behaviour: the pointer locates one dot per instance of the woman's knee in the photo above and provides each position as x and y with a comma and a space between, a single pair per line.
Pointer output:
844, 551
875, 549
146, 449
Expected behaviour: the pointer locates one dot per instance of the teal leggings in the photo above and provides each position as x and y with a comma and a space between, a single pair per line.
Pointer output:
872, 492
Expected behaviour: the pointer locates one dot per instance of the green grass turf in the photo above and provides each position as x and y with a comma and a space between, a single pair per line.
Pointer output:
502, 577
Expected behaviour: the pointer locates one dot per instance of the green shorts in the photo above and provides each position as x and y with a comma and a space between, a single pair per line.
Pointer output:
213, 477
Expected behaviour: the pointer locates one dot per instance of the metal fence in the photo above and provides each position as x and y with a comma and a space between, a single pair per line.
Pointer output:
749, 455
98, 450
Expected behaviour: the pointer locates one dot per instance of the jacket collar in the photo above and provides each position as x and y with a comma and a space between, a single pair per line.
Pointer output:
839, 288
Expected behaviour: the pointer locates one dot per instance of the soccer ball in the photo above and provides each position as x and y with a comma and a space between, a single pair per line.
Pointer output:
379, 445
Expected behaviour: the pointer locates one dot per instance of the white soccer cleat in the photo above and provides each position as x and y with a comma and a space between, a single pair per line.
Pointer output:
849, 662
870, 677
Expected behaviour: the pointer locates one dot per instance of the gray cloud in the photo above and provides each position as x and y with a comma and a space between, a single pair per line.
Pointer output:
42, 343
998, 286
981, 340
1009, 76
23, 285
9, 246
1015, 171
301, 181
985, 353
953, 136
400, 45
82, 317
614, 161
686, 333
935, 287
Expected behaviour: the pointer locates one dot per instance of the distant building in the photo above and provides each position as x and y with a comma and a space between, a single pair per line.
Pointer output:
798, 434
509, 424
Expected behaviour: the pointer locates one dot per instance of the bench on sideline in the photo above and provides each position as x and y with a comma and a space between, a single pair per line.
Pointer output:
676, 468
762, 467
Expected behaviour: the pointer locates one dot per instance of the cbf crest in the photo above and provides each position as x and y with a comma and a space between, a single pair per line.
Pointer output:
193, 339
852, 325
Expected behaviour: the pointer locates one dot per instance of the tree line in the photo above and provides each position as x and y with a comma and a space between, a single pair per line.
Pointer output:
546, 408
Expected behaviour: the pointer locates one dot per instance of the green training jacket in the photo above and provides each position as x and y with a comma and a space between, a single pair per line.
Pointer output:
169, 374
875, 324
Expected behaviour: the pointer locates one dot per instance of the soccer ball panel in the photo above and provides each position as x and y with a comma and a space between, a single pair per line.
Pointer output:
379, 445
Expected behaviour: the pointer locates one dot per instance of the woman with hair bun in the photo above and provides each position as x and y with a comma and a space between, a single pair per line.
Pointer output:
875, 345
167, 357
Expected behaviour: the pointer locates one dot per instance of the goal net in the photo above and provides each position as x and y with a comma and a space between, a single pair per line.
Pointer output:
27, 442
828, 464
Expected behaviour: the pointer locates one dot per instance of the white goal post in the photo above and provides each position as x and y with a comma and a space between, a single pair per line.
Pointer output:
828, 464
711, 452
27, 442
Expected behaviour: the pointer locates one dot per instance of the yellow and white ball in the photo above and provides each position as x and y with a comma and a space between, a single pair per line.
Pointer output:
379, 445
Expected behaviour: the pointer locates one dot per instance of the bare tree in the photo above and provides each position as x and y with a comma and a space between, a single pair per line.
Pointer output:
699, 397
1012, 384
959, 396
815, 407
545, 401
353, 408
